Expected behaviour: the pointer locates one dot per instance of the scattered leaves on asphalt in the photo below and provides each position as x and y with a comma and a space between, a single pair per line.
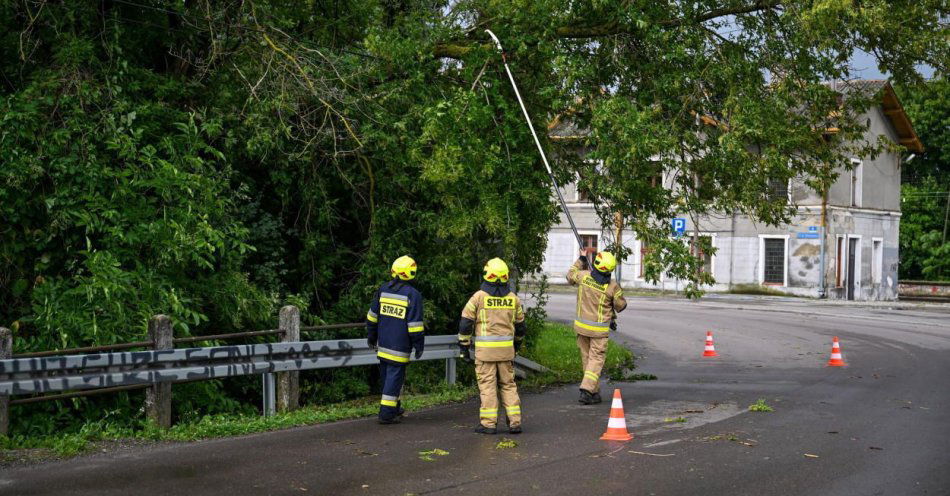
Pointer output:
809, 455
693, 411
427, 456
506, 443
875, 448
676, 419
760, 406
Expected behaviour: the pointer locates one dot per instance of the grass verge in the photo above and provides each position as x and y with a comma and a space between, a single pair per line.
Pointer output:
757, 289
555, 348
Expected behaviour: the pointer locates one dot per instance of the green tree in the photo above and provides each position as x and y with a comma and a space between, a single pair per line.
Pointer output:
213, 160
925, 249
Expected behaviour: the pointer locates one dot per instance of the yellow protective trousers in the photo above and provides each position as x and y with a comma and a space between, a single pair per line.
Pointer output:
593, 356
495, 377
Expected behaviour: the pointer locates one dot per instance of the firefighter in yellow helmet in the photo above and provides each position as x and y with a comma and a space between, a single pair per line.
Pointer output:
495, 316
598, 301
394, 327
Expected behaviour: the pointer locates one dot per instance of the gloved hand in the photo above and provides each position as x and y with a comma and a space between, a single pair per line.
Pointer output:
518, 345
371, 343
613, 325
418, 353
465, 351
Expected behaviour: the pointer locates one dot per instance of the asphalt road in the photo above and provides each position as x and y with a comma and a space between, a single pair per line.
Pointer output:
878, 426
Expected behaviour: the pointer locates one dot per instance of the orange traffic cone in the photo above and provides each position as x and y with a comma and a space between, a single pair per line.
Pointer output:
617, 425
710, 349
836, 360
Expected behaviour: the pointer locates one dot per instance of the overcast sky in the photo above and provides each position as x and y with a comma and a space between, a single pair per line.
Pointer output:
866, 67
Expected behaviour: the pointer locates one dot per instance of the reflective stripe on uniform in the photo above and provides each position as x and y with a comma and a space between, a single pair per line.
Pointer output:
591, 375
513, 410
394, 299
396, 356
372, 317
592, 326
398, 303
494, 341
388, 400
488, 412
494, 344
416, 327
470, 307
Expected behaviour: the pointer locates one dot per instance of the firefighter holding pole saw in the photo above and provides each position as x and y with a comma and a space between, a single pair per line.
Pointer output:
598, 298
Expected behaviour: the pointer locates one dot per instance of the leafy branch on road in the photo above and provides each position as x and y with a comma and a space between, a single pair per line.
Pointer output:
760, 406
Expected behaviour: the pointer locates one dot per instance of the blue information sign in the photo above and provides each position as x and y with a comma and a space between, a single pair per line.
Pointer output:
679, 226
807, 235
812, 228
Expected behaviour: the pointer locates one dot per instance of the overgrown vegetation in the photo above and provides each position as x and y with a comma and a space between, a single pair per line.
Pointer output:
925, 193
213, 161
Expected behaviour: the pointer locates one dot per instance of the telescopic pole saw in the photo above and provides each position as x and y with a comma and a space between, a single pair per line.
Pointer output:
537, 142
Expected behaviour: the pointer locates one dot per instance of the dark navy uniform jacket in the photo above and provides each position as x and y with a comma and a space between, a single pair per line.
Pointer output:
394, 321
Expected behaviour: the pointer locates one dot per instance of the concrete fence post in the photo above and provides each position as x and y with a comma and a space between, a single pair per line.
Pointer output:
288, 383
158, 397
6, 351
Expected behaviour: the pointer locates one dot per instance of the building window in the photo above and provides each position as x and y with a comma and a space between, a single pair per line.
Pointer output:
583, 196
778, 190
877, 260
857, 174
773, 261
696, 248
590, 245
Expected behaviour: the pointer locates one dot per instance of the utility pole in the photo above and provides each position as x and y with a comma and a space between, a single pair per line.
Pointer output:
618, 224
946, 211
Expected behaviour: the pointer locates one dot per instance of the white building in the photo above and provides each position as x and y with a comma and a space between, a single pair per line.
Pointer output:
861, 242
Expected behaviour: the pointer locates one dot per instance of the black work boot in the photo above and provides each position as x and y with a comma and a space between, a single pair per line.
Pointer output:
481, 429
389, 421
586, 398
400, 411
595, 398
514, 430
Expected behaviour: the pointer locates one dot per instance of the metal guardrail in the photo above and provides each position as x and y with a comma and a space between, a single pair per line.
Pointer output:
109, 370
92, 370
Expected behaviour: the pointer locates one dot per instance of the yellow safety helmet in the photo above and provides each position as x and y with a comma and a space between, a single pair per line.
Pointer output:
404, 268
496, 270
605, 261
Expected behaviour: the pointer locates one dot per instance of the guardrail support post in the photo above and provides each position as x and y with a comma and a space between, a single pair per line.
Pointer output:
6, 351
158, 397
450, 370
269, 400
288, 383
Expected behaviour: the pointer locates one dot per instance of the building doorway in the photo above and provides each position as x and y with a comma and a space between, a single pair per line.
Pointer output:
851, 277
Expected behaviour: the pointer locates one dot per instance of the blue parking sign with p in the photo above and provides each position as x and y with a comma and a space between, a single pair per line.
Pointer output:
679, 226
